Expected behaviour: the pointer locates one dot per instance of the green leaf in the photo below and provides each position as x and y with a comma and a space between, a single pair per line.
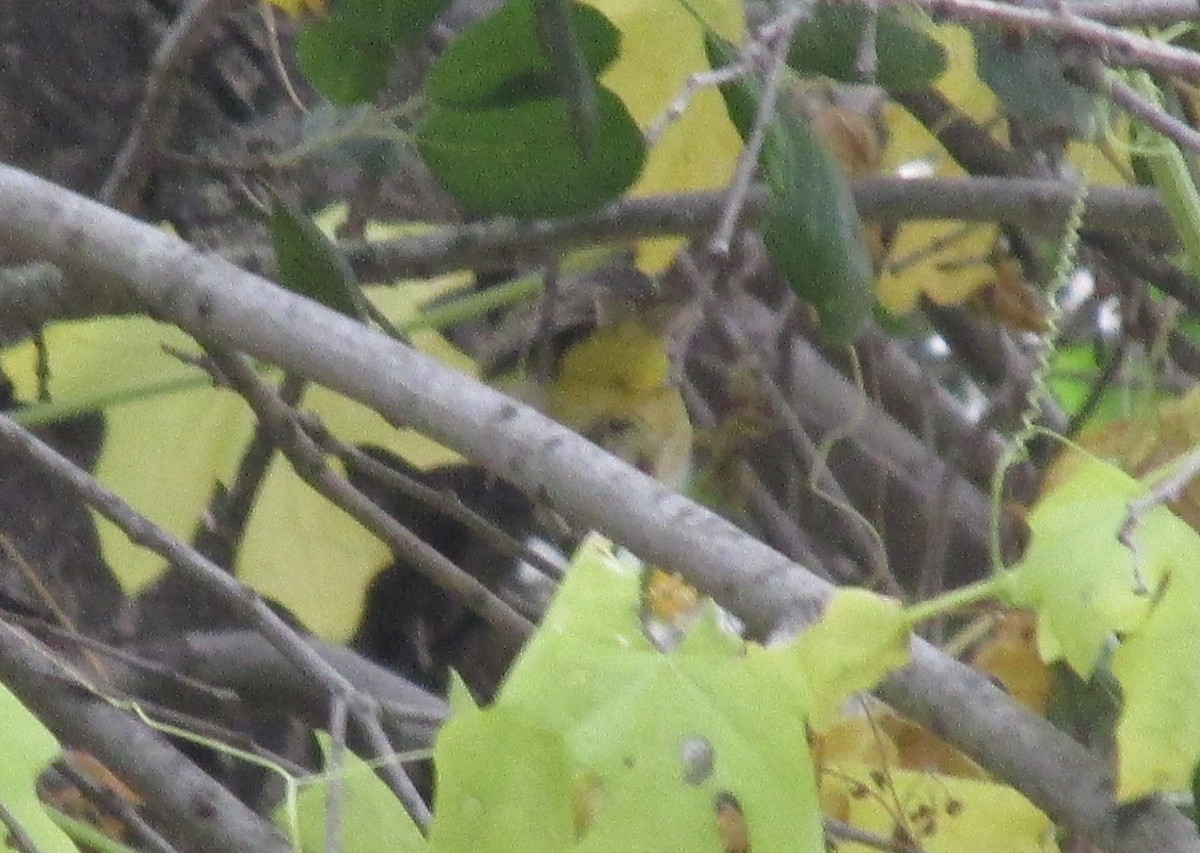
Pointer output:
522, 161
1158, 734
830, 40
1026, 73
502, 60
860, 638
349, 54
653, 743
308, 262
1076, 574
393, 21
344, 66
28, 750
1093, 593
372, 819
811, 229
560, 42
502, 785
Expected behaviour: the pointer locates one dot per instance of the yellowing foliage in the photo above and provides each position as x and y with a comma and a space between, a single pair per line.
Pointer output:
886, 775
662, 44
950, 262
953, 271
615, 388
1101, 581
298, 7
1010, 655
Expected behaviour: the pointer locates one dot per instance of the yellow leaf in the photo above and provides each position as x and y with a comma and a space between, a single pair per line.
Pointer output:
614, 387
1158, 735
662, 44
1010, 655
296, 7
170, 437
954, 263
942, 813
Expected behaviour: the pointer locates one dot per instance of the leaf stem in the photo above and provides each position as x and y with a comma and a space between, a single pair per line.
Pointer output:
957, 599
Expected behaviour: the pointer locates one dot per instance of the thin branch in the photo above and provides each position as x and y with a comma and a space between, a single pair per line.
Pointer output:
220, 532
160, 108
1157, 271
189, 805
1092, 74
446, 503
335, 792
143, 834
309, 463
1132, 13
1164, 490
695, 83
128, 262
241, 598
739, 184
244, 662
838, 831
1121, 47
15, 835
502, 244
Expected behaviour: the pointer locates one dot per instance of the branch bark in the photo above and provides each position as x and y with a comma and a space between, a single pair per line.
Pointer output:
126, 266
499, 244
194, 810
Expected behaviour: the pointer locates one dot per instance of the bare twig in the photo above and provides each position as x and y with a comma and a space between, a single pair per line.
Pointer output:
309, 462
145, 835
220, 532
1164, 490
244, 662
194, 809
125, 264
241, 598
335, 791
693, 86
1092, 73
743, 174
447, 503
1122, 48
16, 836
1039, 204
1132, 13
838, 831
160, 107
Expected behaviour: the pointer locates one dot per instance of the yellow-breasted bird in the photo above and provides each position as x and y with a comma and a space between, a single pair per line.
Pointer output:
614, 387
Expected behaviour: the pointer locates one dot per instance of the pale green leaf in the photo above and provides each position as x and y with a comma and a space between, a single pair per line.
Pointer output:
654, 742
503, 785
1085, 585
170, 437
860, 638
371, 818
1158, 734
28, 750
1092, 592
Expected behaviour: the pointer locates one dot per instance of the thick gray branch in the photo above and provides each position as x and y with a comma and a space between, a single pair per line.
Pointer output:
130, 264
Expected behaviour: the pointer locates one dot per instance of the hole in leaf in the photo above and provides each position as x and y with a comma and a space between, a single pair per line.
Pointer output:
698, 756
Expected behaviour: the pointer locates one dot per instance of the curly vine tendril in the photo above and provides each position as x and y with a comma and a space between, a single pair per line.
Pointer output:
1018, 449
